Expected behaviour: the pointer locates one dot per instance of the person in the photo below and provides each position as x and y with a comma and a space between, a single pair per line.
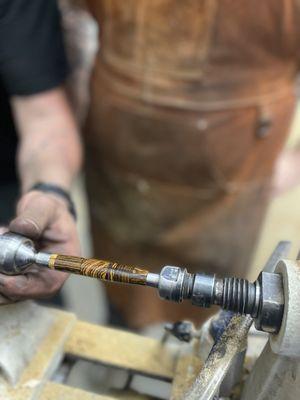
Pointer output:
191, 103
33, 69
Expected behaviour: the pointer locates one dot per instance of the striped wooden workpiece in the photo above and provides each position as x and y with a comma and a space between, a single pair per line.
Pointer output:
101, 269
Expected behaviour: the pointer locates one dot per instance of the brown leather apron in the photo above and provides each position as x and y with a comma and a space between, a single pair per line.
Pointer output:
191, 104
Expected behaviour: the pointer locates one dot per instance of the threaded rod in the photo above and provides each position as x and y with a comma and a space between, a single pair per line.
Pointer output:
240, 296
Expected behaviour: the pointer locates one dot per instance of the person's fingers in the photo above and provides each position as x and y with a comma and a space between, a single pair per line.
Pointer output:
35, 212
8, 286
36, 283
5, 300
3, 229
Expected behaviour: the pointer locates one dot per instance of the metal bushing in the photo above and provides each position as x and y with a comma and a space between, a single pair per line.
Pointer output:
203, 290
271, 304
287, 342
174, 283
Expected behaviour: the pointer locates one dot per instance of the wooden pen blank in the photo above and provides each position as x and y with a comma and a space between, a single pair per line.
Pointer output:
101, 269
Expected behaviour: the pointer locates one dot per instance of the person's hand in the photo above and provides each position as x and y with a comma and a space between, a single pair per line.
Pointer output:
45, 219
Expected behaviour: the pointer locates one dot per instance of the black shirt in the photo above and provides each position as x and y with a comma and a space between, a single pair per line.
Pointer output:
32, 60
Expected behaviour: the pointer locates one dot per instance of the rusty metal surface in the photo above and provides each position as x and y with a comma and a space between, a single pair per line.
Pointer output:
188, 367
231, 343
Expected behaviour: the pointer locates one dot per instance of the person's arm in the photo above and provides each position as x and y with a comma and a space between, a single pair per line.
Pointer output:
50, 149
33, 68
50, 152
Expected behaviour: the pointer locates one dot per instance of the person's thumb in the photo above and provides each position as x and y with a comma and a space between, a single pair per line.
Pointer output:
35, 212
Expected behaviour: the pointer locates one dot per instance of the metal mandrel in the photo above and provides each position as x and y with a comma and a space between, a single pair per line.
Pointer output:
17, 254
263, 299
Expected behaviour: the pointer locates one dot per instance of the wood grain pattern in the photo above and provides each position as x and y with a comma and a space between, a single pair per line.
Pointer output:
101, 269
56, 391
45, 360
123, 350
187, 369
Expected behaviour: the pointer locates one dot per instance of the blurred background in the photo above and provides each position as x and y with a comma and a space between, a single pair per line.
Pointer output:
156, 121
282, 222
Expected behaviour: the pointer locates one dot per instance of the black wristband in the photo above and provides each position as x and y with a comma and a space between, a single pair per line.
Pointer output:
51, 188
